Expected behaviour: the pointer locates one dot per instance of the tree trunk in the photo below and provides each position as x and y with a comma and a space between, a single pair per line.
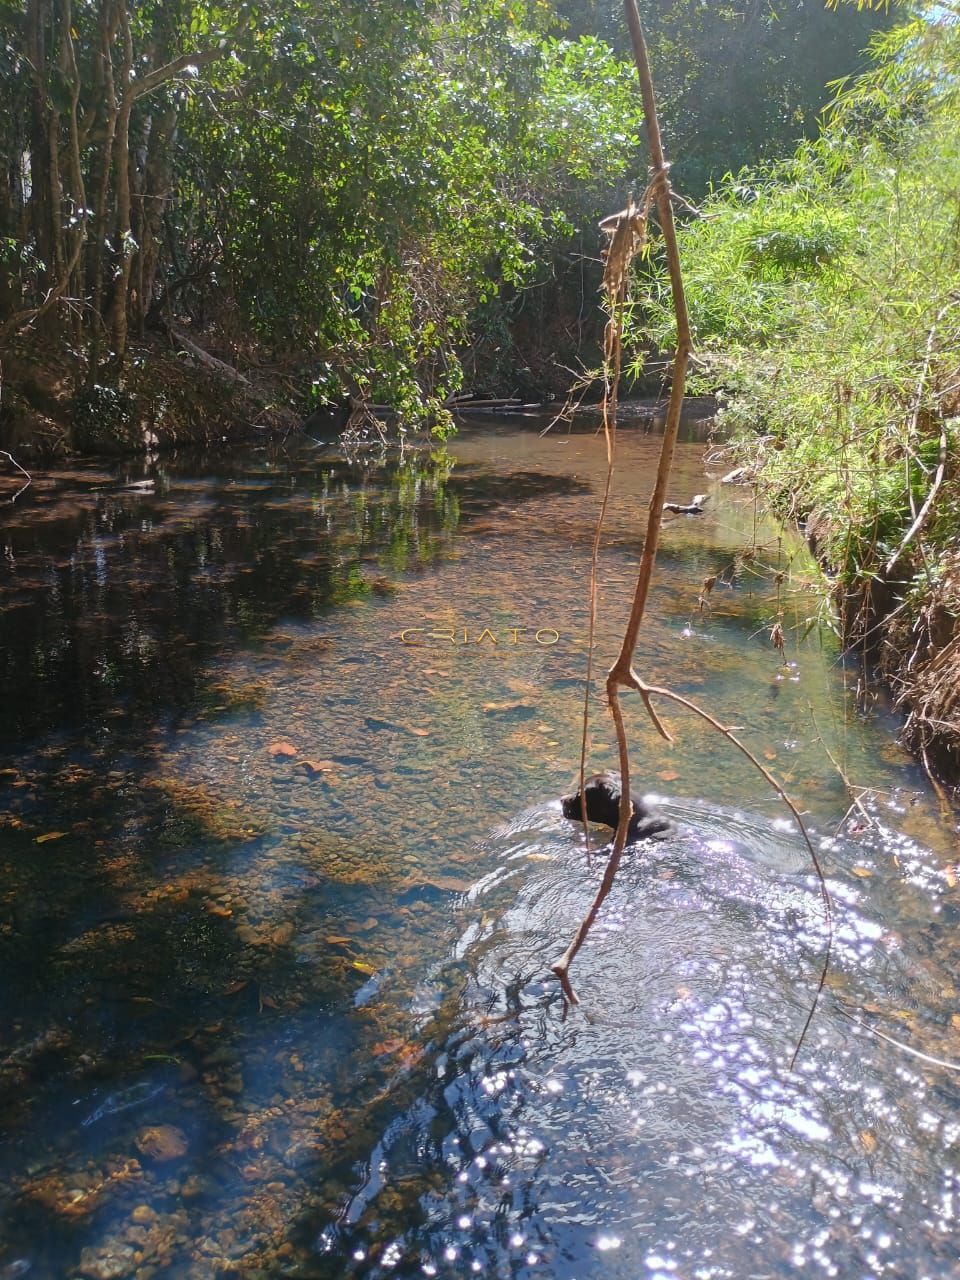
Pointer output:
122, 176
42, 213
99, 248
154, 198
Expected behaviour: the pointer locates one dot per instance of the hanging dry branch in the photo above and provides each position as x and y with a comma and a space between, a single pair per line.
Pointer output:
626, 237
628, 230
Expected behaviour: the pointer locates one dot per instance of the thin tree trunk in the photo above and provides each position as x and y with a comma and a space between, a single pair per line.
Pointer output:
121, 148
78, 193
99, 248
41, 214
153, 205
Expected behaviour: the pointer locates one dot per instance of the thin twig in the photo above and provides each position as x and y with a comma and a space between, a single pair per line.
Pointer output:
851, 787
652, 690
621, 674
23, 488
898, 1044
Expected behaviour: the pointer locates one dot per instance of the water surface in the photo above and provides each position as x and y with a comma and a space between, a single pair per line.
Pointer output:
282, 872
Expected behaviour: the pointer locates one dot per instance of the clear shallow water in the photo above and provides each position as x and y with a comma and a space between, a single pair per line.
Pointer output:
278, 891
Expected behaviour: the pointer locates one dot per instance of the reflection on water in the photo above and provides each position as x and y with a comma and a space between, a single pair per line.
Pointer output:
279, 891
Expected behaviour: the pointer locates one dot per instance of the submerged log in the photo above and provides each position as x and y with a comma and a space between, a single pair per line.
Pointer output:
693, 508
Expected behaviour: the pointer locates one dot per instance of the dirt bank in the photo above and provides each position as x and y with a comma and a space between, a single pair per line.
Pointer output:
904, 621
166, 396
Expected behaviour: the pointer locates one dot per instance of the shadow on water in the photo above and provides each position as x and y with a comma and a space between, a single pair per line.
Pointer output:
246, 1029
136, 955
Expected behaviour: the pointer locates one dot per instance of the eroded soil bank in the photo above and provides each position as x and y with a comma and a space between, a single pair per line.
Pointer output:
900, 623
166, 398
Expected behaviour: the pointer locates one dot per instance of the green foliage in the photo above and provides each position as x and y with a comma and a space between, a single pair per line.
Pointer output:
352, 180
379, 200
824, 300
102, 417
739, 83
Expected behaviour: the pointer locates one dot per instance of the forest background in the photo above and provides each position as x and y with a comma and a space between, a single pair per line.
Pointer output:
392, 200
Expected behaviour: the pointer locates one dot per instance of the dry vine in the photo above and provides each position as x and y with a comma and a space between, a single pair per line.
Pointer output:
628, 231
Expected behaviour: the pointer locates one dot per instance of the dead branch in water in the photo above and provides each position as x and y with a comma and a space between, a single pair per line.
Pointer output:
628, 230
29, 481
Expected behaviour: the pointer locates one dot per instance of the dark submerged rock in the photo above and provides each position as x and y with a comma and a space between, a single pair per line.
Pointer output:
603, 806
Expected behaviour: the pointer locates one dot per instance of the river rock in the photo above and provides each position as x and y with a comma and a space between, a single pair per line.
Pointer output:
162, 1142
111, 1261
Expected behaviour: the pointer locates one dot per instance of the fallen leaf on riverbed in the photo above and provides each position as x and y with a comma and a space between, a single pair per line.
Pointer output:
388, 1046
864, 873
362, 967
280, 750
668, 775
50, 835
868, 1141
313, 767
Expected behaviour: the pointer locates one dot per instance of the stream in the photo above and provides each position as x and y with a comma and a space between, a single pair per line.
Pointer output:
283, 870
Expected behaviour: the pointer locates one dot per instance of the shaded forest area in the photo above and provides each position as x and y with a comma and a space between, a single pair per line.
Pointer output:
385, 200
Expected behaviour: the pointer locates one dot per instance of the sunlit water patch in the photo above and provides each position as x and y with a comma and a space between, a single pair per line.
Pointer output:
655, 1130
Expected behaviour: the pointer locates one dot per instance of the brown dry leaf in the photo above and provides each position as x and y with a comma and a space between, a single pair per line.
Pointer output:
769, 755
282, 749
313, 767
668, 775
868, 1141
410, 1055
419, 733
950, 875
955, 1022
864, 873
393, 1045
50, 835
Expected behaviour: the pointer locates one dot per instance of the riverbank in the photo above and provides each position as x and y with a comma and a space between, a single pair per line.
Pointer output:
897, 612
824, 296
168, 396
